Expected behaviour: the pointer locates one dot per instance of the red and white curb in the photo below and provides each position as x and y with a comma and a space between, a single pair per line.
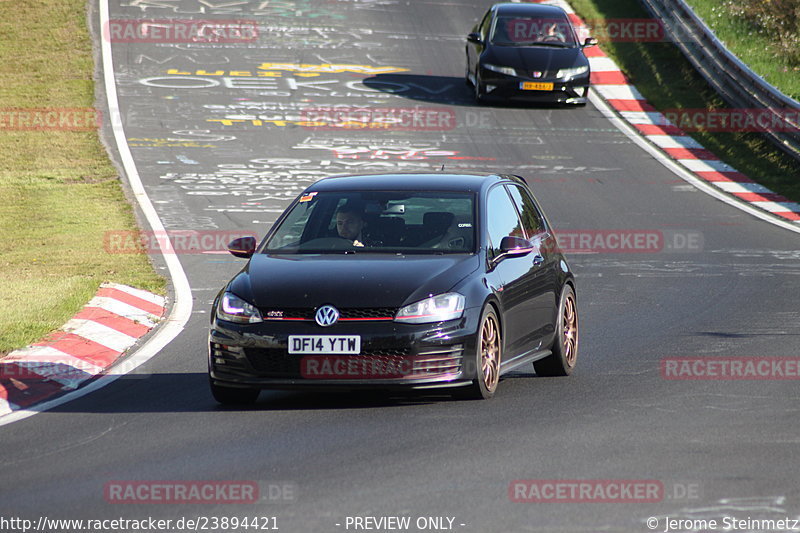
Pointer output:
614, 87
85, 347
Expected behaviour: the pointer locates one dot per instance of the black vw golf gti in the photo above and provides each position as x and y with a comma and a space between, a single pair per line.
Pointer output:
527, 52
416, 281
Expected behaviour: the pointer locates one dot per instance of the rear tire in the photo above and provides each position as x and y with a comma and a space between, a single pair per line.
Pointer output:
488, 354
234, 396
565, 346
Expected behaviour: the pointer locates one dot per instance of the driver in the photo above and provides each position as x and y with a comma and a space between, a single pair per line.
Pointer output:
350, 224
554, 33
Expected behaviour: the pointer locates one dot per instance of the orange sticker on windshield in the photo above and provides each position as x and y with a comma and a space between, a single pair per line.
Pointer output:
308, 197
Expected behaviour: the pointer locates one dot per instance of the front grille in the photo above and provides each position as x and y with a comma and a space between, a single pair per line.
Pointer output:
546, 74
367, 313
289, 314
436, 361
352, 313
228, 357
390, 352
274, 362
396, 363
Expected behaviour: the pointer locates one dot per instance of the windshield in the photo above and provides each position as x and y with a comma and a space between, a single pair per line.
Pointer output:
399, 222
530, 31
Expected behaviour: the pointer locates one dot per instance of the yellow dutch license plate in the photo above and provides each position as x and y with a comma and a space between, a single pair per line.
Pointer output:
535, 86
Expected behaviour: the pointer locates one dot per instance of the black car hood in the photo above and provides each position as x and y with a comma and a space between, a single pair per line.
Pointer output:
542, 58
353, 280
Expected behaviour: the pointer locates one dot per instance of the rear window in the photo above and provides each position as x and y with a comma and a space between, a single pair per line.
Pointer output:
377, 222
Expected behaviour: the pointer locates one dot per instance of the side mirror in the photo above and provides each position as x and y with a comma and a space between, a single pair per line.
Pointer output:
243, 247
513, 247
475, 38
590, 41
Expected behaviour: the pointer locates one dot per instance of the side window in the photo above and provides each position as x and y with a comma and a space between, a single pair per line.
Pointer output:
501, 219
484, 27
532, 221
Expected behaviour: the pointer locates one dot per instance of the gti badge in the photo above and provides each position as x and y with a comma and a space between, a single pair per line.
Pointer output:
327, 315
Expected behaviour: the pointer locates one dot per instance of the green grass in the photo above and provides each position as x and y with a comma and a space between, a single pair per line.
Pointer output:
59, 193
668, 81
756, 37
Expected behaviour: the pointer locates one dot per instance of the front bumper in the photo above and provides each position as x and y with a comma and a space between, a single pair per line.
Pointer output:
506, 87
393, 355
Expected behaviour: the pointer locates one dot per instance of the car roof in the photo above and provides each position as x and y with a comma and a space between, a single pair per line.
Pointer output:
440, 181
538, 10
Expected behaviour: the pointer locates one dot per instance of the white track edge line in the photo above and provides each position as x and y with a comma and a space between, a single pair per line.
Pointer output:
168, 329
680, 171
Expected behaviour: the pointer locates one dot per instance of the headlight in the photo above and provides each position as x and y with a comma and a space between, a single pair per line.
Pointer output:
502, 70
571, 72
234, 309
434, 309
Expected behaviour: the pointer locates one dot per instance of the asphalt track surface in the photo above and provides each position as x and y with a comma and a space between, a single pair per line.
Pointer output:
733, 445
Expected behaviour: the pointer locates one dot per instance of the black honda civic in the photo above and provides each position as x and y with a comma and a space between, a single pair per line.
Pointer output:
527, 52
416, 281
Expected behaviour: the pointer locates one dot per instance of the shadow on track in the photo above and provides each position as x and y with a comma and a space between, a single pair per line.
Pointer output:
447, 90
189, 392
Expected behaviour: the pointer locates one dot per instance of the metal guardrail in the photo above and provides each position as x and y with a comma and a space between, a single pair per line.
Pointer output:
739, 86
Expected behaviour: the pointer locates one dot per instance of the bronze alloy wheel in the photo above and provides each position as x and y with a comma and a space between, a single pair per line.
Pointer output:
569, 325
490, 352
565, 345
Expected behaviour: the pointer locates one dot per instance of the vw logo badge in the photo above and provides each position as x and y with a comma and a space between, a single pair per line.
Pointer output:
327, 315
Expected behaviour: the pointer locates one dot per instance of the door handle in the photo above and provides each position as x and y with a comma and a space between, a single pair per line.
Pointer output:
537, 260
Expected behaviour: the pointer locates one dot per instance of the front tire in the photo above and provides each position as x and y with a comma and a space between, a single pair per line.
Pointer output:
565, 346
585, 98
479, 90
488, 354
233, 396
